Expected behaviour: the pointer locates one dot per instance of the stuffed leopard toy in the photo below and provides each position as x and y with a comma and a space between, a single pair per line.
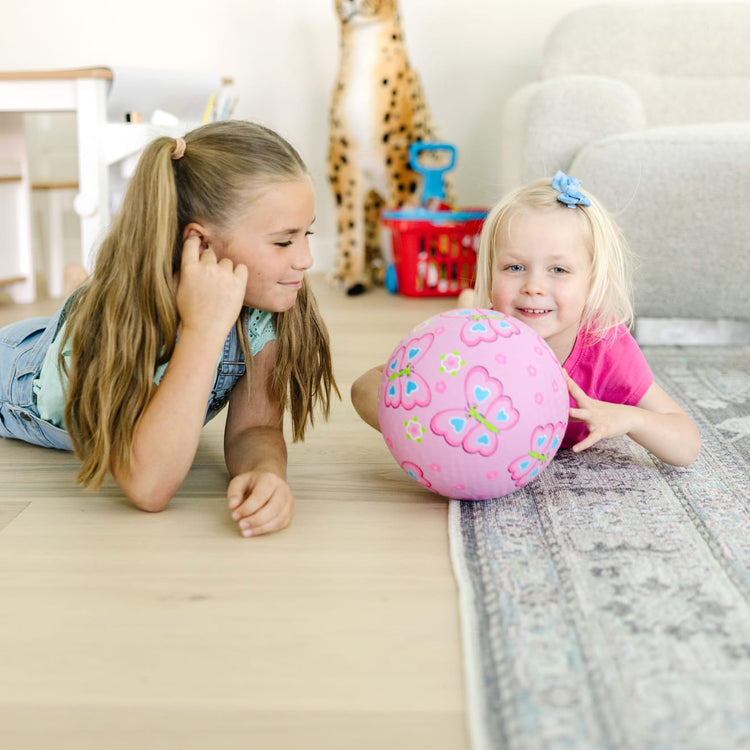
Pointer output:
377, 111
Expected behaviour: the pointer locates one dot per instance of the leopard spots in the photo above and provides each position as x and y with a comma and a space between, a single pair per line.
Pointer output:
378, 110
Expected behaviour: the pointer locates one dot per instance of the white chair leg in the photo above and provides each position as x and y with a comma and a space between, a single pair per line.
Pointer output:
17, 266
53, 240
16, 210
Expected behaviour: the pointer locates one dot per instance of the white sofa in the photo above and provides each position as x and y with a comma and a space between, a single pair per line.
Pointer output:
649, 105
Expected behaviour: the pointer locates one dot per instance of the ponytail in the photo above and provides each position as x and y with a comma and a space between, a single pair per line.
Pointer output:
124, 321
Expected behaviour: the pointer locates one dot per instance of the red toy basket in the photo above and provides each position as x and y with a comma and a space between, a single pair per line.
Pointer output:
434, 252
434, 249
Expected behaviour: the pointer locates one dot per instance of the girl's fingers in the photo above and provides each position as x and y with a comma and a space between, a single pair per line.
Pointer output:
575, 390
577, 415
277, 524
240, 270
260, 503
257, 491
268, 518
250, 507
239, 488
572, 385
191, 250
584, 444
192, 253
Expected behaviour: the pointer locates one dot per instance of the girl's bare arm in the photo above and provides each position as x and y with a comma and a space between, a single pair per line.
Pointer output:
209, 298
259, 497
657, 422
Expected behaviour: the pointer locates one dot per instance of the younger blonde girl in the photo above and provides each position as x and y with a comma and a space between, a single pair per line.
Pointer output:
551, 256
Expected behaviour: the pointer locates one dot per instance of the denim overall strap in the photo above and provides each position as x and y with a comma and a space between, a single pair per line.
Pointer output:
231, 368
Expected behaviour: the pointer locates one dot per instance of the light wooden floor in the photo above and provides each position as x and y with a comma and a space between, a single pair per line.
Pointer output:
120, 629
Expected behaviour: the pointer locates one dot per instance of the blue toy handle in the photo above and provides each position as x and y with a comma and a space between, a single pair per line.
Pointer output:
434, 187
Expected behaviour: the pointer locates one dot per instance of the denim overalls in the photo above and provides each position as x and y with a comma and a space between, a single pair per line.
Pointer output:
22, 349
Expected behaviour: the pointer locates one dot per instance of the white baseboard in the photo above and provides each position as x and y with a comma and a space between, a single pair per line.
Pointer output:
691, 332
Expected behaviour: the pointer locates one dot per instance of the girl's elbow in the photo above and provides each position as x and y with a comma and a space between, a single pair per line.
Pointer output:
149, 499
694, 453
690, 453
149, 504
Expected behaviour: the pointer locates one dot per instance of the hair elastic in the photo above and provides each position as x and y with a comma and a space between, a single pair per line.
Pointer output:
179, 148
569, 193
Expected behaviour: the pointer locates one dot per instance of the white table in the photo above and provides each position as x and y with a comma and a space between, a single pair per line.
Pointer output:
100, 138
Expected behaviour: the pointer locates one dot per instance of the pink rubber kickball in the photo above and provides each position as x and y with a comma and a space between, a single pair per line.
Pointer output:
473, 404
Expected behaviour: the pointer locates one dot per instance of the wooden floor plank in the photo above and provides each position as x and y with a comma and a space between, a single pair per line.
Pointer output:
126, 629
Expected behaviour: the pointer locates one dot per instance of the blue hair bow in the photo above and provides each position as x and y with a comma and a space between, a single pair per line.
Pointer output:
569, 193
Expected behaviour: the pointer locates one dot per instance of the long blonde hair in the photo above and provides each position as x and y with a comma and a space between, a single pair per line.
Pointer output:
609, 299
123, 323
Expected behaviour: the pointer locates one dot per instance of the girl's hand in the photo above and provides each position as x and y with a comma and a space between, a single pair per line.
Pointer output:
260, 502
210, 292
603, 419
657, 422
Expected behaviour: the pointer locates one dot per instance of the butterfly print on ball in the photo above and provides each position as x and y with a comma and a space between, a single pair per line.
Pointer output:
405, 387
545, 441
487, 412
483, 325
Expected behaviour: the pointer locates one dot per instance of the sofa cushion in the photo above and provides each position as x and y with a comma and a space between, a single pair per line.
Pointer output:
548, 122
689, 63
658, 181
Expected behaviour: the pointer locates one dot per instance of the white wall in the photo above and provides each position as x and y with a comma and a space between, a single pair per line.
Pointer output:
283, 56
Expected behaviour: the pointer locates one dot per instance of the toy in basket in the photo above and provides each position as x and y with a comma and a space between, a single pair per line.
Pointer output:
434, 247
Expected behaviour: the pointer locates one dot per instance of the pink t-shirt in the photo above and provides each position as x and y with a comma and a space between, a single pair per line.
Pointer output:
613, 369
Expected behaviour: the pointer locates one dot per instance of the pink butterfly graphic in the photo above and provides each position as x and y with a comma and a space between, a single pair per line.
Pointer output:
483, 325
415, 473
487, 412
545, 440
405, 387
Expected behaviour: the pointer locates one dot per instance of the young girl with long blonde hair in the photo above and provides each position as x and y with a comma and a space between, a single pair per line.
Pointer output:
198, 299
552, 256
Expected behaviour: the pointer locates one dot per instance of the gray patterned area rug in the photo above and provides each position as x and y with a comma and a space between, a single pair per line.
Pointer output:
607, 604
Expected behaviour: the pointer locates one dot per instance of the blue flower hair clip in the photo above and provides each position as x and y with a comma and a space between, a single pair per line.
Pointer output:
569, 193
